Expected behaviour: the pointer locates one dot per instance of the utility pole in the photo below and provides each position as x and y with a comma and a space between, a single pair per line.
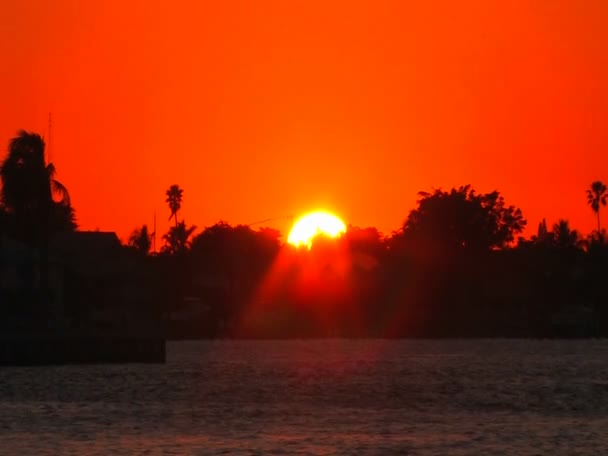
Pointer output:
154, 234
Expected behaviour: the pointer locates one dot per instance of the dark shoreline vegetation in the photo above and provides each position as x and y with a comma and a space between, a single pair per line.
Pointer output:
458, 267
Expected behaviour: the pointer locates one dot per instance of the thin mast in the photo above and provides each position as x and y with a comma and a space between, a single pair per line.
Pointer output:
154, 234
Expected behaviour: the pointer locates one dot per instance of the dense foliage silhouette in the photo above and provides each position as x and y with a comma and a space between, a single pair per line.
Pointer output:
457, 267
140, 240
35, 206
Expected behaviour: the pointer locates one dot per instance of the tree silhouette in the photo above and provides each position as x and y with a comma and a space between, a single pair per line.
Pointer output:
177, 240
237, 255
560, 236
3, 221
542, 234
37, 204
597, 241
174, 200
366, 245
597, 196
62, 218
461, 220
565, 237
228, 249
140, 240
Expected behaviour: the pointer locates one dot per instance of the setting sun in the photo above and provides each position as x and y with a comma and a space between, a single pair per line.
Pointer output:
313, 224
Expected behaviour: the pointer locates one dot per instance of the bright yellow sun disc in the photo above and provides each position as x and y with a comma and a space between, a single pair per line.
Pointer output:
313, 224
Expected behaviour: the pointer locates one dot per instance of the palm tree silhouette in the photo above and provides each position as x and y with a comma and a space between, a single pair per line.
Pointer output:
36, 204
140, 240
597, 196
177, 240
564, 236
29, 187
174, 200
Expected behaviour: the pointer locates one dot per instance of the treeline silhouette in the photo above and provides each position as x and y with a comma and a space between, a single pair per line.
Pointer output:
458, 267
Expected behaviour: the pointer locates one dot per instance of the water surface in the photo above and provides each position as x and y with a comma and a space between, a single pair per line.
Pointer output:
318, 397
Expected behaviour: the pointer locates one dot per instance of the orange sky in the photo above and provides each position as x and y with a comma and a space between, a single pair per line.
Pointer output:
264, 108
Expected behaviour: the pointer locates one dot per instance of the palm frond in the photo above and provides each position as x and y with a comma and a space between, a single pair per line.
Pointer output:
59, 189
51, 171
27, 144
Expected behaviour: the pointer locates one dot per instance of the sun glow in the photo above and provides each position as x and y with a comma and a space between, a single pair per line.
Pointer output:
313, 224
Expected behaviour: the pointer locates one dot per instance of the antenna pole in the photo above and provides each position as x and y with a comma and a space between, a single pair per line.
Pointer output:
154, 234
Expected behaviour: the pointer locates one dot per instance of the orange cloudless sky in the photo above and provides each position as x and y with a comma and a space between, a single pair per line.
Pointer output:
260, 109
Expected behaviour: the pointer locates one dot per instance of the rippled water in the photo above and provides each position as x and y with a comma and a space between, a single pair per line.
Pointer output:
318, 397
